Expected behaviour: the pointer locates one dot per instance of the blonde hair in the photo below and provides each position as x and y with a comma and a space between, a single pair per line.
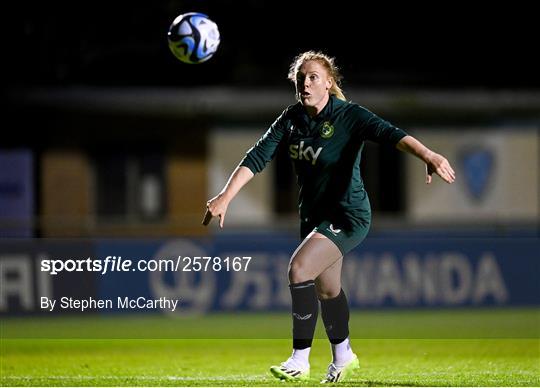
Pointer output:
327, 62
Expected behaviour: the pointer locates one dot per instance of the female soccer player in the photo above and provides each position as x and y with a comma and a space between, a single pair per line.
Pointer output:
325, 135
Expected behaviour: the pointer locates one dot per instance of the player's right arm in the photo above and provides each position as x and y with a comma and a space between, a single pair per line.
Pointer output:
255, 160
217, 206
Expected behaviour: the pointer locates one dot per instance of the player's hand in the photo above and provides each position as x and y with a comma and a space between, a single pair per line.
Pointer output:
216, 207
439, 165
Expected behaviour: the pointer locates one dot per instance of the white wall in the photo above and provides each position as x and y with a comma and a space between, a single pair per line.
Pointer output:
511, 190
254, 203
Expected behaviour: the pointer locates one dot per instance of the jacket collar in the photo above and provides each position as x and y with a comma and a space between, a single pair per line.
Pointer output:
324, 115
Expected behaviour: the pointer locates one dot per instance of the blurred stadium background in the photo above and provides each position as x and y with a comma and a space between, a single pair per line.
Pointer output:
111, 146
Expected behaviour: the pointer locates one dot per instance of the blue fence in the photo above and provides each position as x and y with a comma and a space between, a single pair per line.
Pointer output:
250, 273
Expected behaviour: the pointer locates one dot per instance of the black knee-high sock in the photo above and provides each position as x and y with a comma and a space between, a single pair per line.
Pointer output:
335, 315
305, 310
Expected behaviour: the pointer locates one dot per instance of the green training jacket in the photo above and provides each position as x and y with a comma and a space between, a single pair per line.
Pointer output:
326, 151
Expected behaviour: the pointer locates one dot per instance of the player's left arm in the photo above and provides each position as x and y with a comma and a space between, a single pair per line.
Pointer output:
435, 163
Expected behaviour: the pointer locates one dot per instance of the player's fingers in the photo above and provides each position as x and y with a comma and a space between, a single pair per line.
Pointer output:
452, 176
443, 173
221, 220
447, 177
428, 178
453, 173
446, 166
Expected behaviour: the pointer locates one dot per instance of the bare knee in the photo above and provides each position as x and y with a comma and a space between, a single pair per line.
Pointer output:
326, 292
299, 272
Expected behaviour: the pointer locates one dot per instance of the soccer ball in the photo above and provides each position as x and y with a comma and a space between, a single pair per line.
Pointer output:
193, 37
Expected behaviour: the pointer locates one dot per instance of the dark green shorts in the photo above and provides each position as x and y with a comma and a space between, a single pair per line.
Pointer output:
344, 236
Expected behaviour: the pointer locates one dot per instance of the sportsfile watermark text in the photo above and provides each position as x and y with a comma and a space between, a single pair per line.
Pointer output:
118, 264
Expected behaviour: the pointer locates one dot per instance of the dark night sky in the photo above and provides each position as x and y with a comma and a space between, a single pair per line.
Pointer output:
119, 43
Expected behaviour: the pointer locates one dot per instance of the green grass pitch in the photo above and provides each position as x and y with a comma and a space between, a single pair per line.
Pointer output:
499, 347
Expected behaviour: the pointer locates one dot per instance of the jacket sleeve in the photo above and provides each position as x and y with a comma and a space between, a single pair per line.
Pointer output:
264, 150
372, 127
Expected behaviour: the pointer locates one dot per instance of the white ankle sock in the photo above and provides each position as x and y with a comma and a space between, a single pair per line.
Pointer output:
301, 356
342, 353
